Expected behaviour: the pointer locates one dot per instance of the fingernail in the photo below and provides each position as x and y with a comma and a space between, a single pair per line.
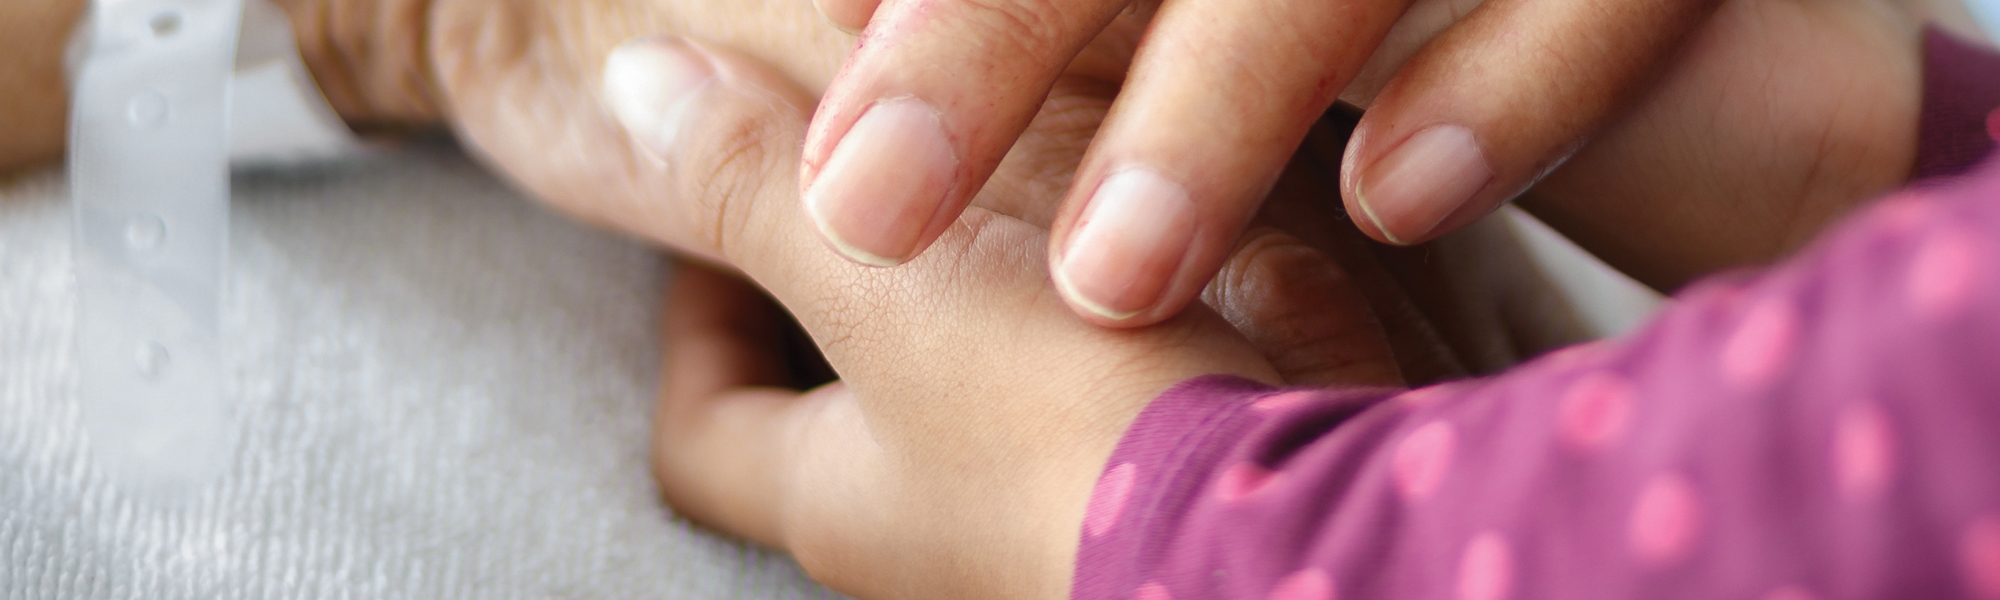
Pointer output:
1407, 193
653, 86
820, 7
1128, 246
884, 183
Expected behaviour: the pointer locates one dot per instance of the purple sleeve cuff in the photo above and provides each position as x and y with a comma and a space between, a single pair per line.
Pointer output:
1829, 428
1172, 460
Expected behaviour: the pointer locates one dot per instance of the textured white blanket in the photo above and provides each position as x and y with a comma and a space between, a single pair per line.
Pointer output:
438, 390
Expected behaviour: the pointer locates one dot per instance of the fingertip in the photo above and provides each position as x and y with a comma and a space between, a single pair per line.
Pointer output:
850, 16
1303, 311
1375, 228
1088, 308
834, 242
883, 193
1127, 248
1408, 192
653, 86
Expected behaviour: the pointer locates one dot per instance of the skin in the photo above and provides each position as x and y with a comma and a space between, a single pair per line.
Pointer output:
1687, 182
724, 209
978, 475
918, 477
1217, 97
1690, 181
1664, 193
976, 408
32, 121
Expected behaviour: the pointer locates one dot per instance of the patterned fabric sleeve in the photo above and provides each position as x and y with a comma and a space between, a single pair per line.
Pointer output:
1829, 428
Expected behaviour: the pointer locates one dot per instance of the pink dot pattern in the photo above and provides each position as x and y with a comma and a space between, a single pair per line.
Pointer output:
1107, 502
1283, 401
1762, 344
1306, 584
1864, 451
1825, 430
1790, 592
1423, 458
1905, 212
1979, 557
1666, 520
1242, 481
1487, 570
1946, 274
1596, 410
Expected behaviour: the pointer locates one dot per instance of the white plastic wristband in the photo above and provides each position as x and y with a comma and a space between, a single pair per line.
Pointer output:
161, 100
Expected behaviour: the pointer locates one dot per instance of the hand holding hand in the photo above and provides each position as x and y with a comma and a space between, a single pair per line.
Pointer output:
975, 412
1218, 96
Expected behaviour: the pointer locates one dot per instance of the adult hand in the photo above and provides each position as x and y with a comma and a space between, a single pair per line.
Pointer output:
976, 411
1218, 97
1778, 116
523, 85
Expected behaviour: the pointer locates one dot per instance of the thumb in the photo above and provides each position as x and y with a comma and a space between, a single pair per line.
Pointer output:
1504, 97
660, 137
1302, 311
723, 133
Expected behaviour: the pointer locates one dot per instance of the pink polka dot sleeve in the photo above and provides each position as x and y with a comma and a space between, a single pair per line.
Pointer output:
1826, 429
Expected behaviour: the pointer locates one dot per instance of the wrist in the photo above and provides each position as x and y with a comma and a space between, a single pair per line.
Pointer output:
370, 59
32, 112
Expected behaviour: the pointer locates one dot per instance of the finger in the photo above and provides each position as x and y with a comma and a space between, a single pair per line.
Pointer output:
718, 387
1498, 101
732, 452
522, 83
850, 15
1299, 205
895, 334
1300, 309
925, 108
717, 132
1220, 95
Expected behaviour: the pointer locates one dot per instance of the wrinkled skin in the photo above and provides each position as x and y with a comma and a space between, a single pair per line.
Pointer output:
1818, 114
976, 409
1819, 111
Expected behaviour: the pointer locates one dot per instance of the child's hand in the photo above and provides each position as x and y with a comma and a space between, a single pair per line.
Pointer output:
1219, 94
976, 410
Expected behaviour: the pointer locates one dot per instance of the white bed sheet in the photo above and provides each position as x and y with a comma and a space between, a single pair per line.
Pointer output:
438, 391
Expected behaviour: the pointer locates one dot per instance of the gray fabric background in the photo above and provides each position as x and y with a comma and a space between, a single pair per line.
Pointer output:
438, 391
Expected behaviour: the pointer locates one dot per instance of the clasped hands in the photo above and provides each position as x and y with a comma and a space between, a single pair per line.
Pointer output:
978, 397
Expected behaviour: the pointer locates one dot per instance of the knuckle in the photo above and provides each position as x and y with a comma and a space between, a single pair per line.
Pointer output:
1279, 293
724, 171
1011, 16
1017, 28
371, 56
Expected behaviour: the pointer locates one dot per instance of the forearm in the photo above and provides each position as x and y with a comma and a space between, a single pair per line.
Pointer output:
35, 105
